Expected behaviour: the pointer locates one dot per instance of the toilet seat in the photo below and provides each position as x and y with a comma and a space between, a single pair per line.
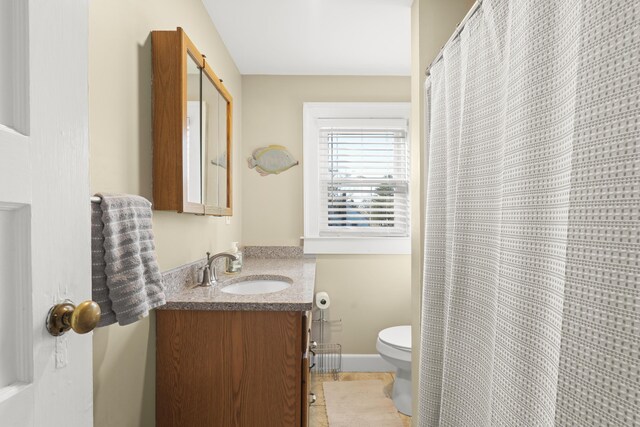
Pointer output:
398, 337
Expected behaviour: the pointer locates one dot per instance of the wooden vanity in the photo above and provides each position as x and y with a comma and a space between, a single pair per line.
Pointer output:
232, 368
224, 361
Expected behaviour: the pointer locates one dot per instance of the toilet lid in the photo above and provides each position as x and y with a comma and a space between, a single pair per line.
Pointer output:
397, 336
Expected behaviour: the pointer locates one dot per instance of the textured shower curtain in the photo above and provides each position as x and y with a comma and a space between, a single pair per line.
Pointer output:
531, 306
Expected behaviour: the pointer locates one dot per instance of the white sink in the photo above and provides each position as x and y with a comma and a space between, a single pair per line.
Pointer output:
253, 285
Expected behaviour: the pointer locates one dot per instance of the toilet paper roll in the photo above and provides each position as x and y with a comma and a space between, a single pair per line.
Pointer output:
322, 300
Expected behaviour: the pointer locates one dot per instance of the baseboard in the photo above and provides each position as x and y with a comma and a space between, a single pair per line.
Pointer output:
365, 363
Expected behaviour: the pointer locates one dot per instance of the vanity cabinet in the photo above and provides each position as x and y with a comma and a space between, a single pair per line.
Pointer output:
192, 123
232, 368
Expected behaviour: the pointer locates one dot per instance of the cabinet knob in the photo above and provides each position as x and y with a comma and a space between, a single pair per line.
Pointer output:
312, 398
82, 318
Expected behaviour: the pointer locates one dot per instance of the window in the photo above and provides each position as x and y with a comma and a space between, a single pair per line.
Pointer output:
356, 178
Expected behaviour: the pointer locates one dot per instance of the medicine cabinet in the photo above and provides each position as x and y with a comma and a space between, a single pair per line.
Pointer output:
192, 123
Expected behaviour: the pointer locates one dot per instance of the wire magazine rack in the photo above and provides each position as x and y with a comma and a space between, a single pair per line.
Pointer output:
327, 357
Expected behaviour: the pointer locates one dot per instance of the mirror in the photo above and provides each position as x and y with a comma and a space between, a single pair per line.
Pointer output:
192, 122
215, 141
210, 98
194, 133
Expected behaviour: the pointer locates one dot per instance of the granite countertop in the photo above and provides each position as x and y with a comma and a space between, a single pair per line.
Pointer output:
298, 297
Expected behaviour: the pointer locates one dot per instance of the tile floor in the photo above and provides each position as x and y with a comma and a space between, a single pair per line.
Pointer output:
317, 411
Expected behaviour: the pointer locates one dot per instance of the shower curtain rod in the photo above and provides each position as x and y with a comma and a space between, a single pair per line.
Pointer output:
456, 33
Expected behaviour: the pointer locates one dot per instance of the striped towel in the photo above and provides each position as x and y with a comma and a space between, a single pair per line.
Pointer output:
126, 279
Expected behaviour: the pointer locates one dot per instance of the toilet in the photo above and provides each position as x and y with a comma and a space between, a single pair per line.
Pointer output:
394, 345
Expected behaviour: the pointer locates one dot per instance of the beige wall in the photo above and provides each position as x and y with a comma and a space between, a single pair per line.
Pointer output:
121, 159
369, 292
432, 23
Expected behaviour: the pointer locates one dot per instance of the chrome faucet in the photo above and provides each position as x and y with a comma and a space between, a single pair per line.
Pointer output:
209, 274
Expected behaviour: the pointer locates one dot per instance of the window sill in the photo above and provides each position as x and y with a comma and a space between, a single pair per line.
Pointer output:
358, 245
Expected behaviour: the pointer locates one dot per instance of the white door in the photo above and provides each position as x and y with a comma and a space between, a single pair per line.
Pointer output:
44, 211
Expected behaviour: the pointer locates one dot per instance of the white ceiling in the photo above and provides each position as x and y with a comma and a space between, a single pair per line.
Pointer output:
316, 37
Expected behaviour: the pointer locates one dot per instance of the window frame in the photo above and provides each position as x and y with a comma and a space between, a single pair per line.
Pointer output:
314, 243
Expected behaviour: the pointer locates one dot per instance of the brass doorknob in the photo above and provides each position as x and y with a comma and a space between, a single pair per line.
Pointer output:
82, 318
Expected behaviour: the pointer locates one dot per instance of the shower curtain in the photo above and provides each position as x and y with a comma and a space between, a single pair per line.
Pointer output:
531, 301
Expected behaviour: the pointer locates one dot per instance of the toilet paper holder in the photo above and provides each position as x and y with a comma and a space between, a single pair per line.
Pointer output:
328, 357
323, 302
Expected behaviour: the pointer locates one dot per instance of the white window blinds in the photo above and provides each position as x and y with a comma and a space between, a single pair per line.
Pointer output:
363, 167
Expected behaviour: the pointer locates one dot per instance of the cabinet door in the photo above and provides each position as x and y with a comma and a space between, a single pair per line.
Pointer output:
306, 391
216, 144
228, 368
193, 167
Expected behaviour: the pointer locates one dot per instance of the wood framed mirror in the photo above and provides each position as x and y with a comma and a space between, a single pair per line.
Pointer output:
192, 129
